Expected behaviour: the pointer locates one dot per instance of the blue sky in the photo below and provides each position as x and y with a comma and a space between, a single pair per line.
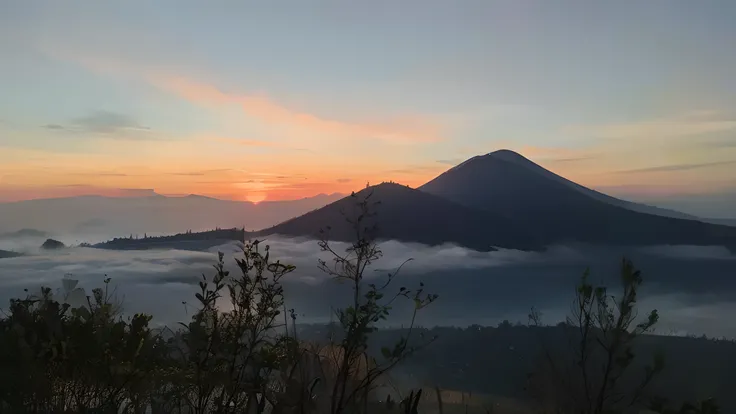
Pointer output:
636, 98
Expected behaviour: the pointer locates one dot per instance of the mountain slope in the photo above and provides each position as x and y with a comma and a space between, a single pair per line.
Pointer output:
409, 215
507, 184
518, 159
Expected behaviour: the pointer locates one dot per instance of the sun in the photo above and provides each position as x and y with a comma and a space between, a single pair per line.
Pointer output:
255, 197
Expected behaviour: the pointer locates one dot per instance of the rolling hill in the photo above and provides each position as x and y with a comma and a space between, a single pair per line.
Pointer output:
410, 215
506, 184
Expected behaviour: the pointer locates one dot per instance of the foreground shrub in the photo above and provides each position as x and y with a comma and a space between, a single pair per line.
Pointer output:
593, 375
58, 359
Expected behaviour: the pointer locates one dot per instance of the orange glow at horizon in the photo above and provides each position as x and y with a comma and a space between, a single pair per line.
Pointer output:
256, 198
295, 181
236, 169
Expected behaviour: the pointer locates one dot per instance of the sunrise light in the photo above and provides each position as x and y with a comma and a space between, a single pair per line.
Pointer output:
256, 198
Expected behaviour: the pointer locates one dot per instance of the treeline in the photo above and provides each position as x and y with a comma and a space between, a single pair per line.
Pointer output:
134, 241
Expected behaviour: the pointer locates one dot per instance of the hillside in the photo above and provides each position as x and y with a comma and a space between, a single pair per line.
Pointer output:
508, 185
410, 215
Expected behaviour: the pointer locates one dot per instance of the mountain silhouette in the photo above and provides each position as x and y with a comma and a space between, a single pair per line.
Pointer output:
520, 160
507, 184
409, 215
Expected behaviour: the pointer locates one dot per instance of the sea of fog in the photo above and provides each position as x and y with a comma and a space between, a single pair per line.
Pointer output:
693, 288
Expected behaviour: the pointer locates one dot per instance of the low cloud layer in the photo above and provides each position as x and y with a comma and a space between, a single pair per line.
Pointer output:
692, 287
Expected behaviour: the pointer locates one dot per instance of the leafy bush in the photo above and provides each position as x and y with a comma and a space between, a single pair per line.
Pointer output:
58, 359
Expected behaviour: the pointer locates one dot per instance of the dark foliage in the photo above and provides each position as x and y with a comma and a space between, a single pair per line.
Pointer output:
145, 242
51, 244
58, 359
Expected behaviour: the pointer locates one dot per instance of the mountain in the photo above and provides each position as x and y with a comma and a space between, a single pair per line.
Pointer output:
95, 218
410, 215
521, 161
506, 184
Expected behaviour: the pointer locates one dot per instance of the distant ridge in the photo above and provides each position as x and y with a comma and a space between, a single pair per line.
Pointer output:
99, 217
154, 195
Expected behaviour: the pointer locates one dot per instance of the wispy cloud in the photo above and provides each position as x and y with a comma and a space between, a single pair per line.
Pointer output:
106, 123
100, 174
303, 123
723, 143
451, 161
688, 124
567, 160
557, 154
415, 169
245, 142
405, 129
248, 142
677, 167
201, 172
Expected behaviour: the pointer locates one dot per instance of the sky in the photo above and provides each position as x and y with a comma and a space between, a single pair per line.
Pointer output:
287, 99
